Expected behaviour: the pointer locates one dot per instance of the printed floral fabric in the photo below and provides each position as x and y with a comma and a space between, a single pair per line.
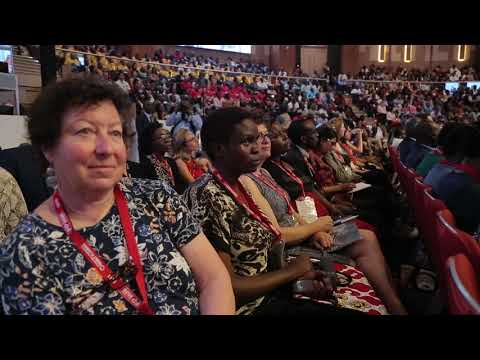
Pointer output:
41, 271
231, 230
356, 293
12, 204
161, 170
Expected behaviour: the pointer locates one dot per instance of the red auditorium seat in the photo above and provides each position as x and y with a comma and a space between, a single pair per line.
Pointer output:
430, 206
419, 187
451, 241
410, 177
397, 161
443, 241
463, 291
402, 171
394, 157
390, 151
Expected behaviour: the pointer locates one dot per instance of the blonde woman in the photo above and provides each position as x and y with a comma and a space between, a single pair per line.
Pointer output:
185, 147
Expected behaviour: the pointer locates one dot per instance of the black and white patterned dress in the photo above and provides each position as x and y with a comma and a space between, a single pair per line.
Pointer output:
231, 230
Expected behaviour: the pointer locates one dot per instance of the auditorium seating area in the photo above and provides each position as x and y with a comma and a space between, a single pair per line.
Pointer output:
454, 254
347, 131
373, 72
209, 85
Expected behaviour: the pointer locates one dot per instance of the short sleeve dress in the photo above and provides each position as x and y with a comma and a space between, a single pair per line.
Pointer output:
41, 271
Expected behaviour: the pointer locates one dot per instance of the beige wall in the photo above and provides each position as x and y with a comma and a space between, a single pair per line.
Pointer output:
313, 58
275, 56
424, 56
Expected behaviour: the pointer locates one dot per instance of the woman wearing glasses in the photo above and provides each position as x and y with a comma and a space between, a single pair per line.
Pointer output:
186, 148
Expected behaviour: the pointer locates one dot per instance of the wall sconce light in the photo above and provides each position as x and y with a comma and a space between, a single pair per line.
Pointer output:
408, 53
382, 53
462, 52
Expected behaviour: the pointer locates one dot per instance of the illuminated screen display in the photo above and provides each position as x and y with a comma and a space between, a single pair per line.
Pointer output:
245, 49
451, 86
471, 84
6, 56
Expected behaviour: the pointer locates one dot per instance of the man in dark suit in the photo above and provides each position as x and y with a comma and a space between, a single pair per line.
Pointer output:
26, 168
304, 136
143, 118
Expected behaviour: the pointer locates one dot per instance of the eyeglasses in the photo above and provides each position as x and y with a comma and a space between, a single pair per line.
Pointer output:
263, 136
275, 135
162, 135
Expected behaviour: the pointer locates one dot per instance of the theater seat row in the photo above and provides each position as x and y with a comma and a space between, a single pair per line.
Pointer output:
454, 253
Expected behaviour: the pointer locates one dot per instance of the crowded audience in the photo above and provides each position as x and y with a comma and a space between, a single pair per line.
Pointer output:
133, 233
213, 172
438, 73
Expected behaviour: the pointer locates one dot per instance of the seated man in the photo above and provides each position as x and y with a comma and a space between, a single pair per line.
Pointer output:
425, 138
454, 149
296, 173
406, 145
458, 184
434, 156
304, 136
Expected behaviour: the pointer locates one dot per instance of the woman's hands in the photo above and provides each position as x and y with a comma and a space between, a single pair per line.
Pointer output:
322, 240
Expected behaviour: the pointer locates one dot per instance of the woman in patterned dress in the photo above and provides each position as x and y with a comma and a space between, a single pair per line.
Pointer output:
102, 244
236, 228
12, 204
156, 143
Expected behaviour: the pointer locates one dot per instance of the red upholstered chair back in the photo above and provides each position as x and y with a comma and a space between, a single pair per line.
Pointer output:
451, 241
430, 206
463, 290
418, 189
410, 177
402, 175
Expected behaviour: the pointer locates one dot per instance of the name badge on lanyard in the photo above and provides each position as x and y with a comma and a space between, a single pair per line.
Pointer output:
115, 281
306, 208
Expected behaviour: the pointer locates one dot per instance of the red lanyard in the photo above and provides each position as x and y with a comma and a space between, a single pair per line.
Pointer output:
275, 187
163, 163
250, 206
291, 174
95, 260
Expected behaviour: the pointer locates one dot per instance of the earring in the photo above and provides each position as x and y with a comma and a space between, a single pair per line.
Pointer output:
50, 177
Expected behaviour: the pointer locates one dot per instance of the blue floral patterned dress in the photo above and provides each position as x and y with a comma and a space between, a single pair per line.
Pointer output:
41, 271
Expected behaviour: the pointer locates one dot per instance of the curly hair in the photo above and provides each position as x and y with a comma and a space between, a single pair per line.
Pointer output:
46, 115
219, 127
325, 132
146, 138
